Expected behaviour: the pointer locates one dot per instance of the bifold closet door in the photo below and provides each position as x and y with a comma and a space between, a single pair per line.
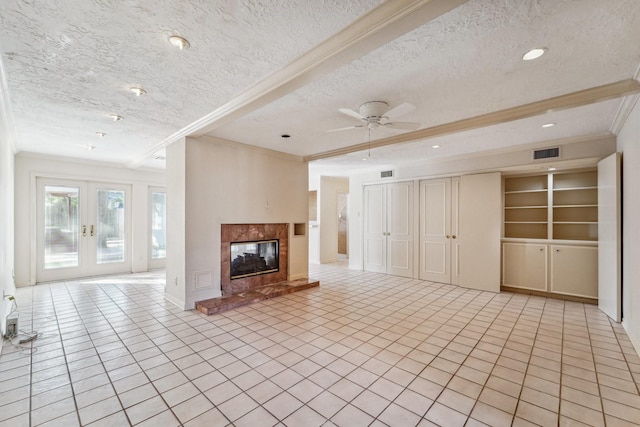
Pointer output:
439, 235
388, 231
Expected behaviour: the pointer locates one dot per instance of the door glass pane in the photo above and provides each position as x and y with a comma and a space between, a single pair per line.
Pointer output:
158, 225
110, 229
61, 227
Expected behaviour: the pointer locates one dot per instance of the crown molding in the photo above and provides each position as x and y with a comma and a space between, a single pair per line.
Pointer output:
5, 110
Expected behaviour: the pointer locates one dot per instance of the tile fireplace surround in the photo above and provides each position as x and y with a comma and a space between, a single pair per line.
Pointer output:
249, 233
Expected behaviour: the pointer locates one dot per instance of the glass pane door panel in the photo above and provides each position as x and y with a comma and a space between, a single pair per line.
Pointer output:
110, 229
61, 227
158, 225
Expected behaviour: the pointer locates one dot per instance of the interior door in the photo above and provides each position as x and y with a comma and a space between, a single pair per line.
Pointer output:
82, 229
399, 230
609, 237
435, 229
375, 228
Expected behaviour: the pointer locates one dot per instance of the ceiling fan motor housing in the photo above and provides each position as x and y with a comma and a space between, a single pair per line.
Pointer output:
373, 111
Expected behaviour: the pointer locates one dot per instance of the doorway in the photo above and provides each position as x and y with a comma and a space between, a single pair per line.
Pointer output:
83, 229
343, 226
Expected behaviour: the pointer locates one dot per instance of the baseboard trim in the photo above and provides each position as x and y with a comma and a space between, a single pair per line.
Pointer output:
583, 300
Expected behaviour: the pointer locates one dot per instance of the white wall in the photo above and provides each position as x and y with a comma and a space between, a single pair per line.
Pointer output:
6, 220
226, 183
589, 150
28, 167
629, 146
176, 223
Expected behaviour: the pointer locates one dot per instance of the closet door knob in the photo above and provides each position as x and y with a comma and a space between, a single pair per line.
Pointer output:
454, 236
448, 236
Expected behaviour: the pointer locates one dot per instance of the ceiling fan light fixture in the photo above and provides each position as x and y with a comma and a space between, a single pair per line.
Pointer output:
534, 54
137, 91
179, 42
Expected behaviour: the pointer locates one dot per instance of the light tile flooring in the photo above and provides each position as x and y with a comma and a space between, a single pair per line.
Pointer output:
363, 349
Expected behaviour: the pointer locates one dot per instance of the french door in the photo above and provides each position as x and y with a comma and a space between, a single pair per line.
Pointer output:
83, 229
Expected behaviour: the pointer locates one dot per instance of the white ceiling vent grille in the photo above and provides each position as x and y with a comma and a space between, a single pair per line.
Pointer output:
386, 174
546, 153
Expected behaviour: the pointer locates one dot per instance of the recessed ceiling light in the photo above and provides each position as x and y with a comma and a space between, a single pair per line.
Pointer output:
179, 42
138, 91
364, 159
101, 134
87, 146
116, 117
435, 146
548, 125
533, 54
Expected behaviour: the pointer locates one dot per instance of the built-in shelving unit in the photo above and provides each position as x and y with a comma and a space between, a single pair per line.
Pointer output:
558, 206
575, 206
526, 207
551, 233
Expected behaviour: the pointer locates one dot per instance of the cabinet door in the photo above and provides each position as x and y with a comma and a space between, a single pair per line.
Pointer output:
574, 270
399, 229
609, 238
375, 219
435, 229
480, 227
524, 265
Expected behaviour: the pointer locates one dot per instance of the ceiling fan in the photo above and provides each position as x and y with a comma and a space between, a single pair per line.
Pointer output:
374, 114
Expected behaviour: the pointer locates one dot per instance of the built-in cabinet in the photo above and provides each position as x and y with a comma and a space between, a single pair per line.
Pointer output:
388, 228
551, 233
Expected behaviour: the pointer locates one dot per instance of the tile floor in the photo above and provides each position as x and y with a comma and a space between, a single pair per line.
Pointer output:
363, 349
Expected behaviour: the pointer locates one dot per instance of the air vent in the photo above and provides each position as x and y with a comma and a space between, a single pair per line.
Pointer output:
386, 174
546, 153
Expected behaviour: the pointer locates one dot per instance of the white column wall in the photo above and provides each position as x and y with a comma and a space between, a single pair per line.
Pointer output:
226, 183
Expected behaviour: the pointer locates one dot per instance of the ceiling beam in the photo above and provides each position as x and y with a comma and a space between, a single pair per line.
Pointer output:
562, 102
384, 23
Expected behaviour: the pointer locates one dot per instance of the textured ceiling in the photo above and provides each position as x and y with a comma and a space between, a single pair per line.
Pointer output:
69, 64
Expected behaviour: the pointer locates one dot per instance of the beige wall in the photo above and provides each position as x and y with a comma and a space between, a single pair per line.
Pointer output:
629, 146
227, 182
29, 167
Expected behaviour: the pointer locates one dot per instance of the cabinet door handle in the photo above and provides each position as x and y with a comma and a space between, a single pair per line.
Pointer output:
541, 250
84, 231
448, 236
91, 231
453, 237
557, 250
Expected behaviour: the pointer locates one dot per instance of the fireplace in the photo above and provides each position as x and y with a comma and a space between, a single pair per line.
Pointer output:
252, 256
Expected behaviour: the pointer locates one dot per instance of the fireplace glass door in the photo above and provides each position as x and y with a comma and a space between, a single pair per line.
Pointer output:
254, 258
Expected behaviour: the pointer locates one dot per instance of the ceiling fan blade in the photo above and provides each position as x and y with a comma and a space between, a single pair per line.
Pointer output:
341, 129
400, 110
349, 112
402, 125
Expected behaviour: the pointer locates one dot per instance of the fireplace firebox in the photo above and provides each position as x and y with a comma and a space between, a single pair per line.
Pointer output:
254, 258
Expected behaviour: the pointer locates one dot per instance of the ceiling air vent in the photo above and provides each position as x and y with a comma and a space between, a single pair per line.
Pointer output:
386, 174
546, 153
